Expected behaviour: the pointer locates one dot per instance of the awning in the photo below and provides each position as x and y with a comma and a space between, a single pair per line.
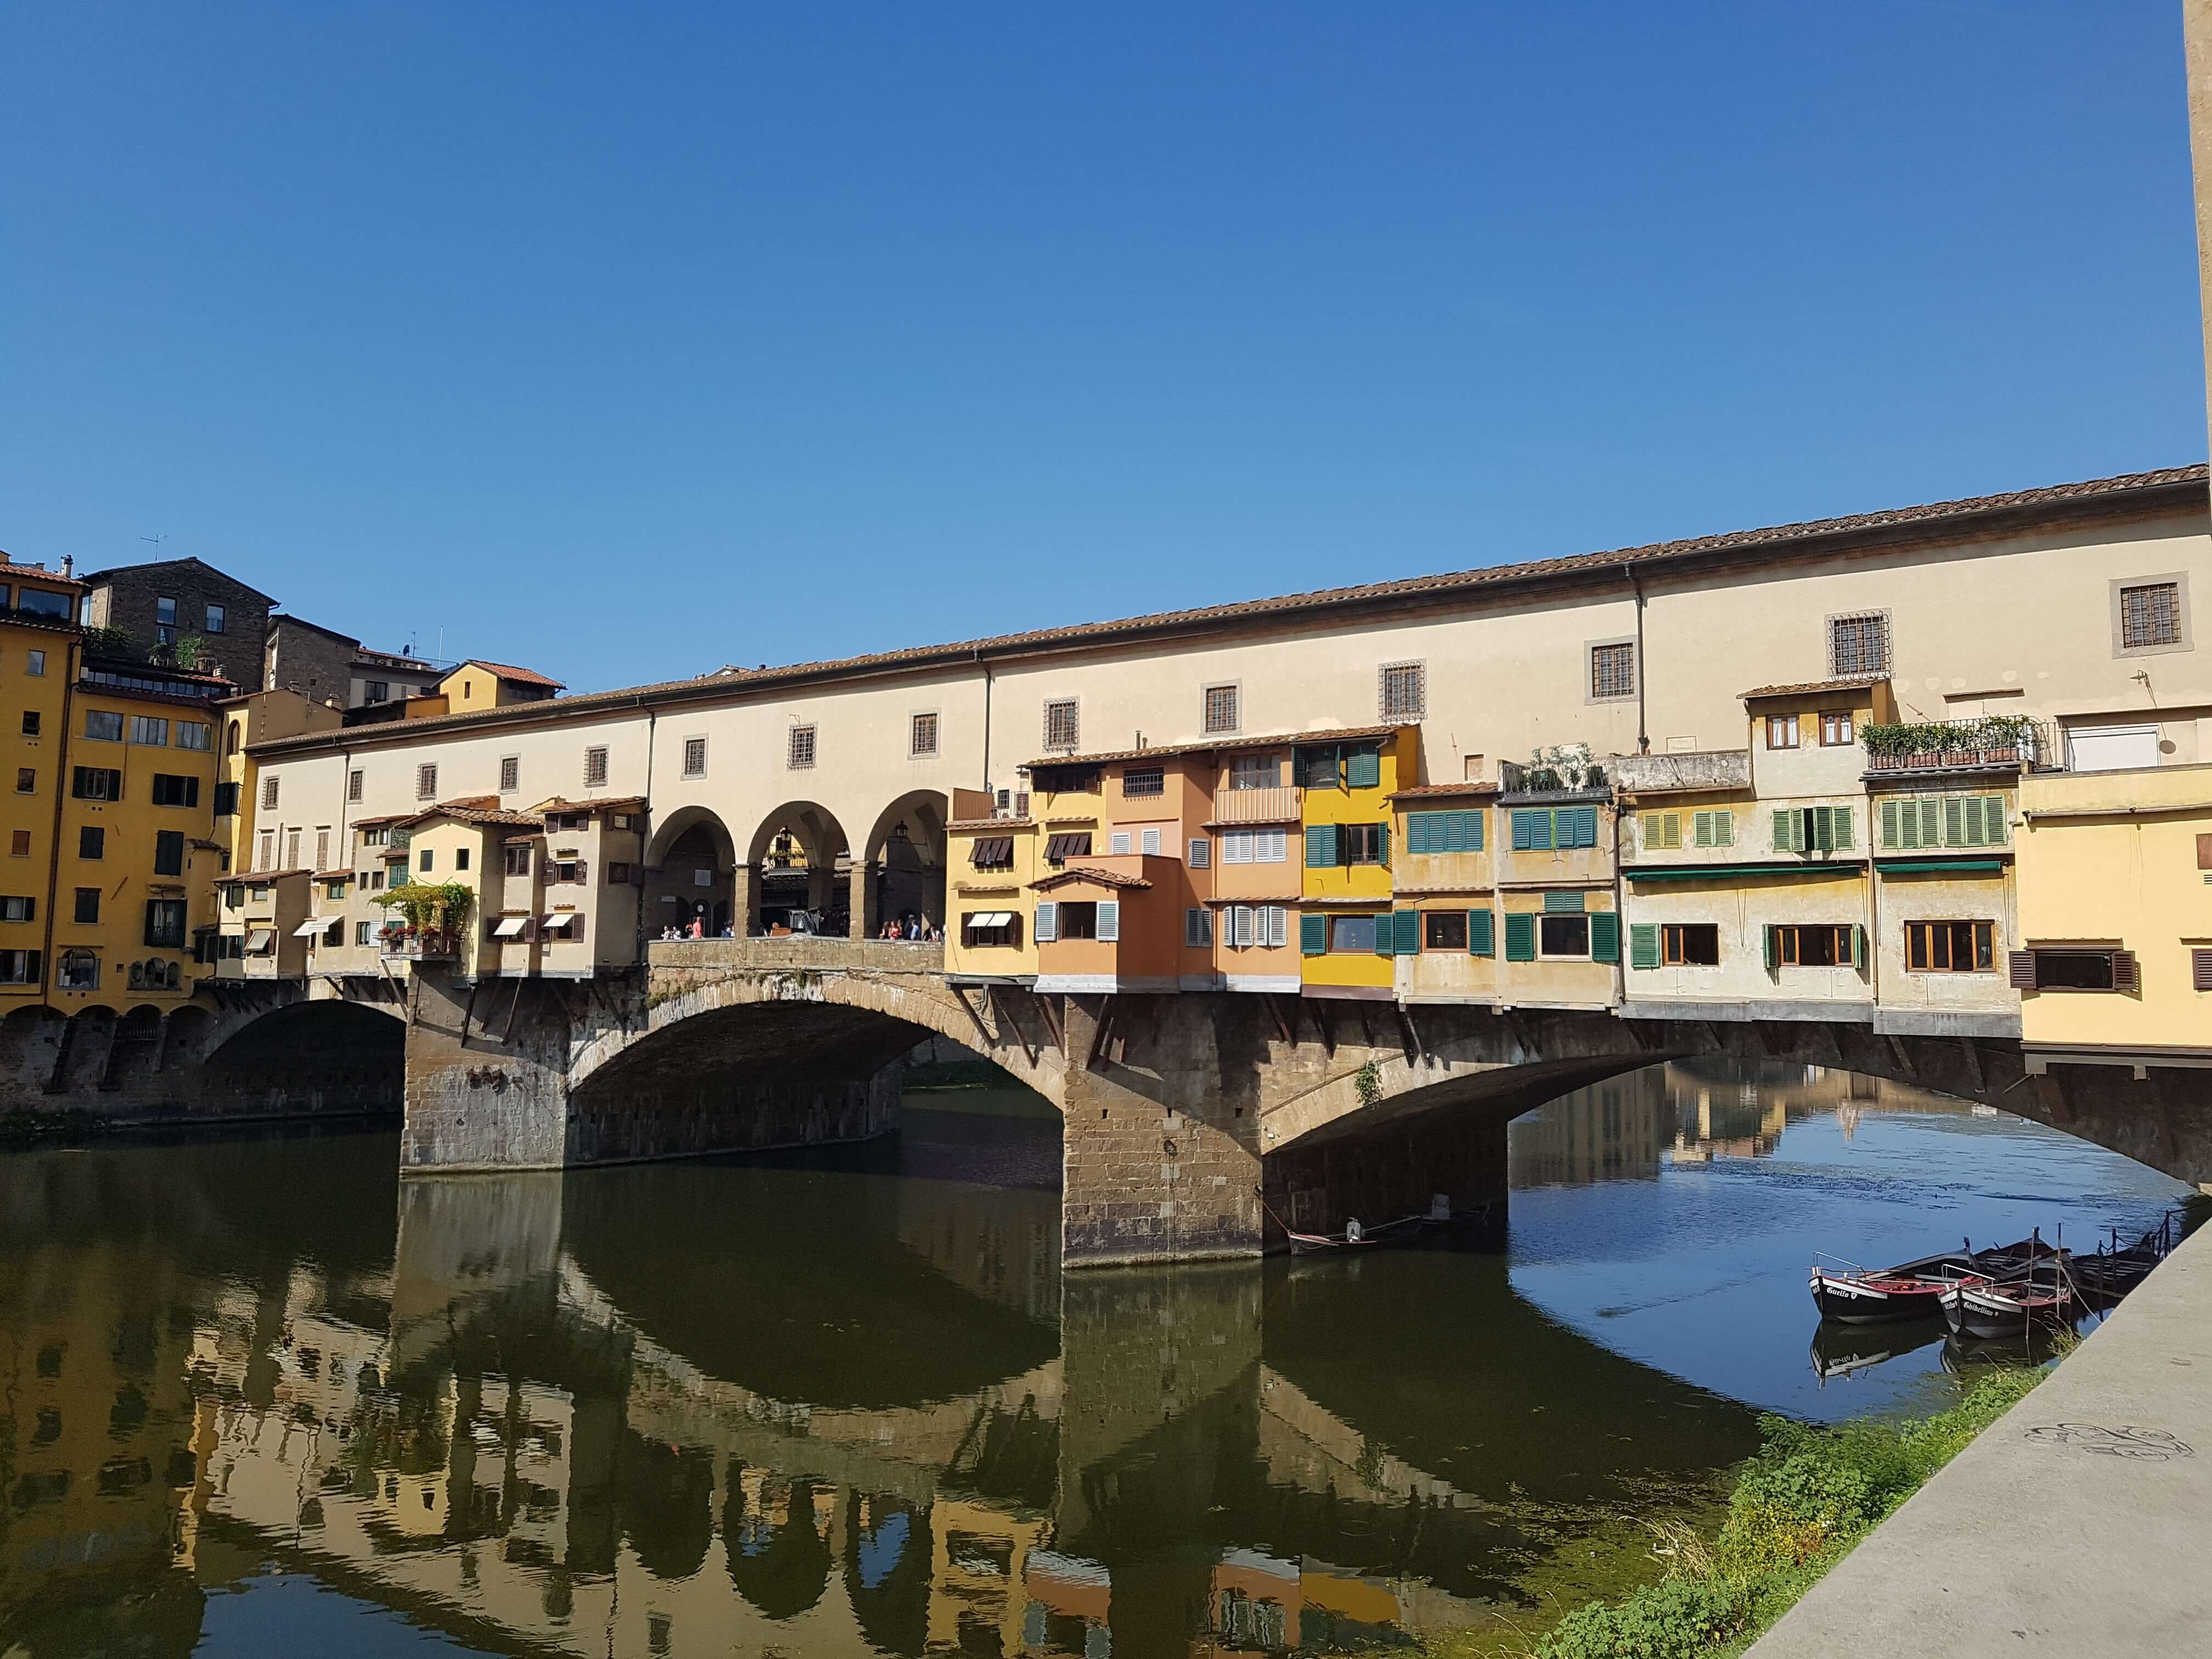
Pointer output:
260, 941
556, 920
1945, 866
991, 919
313, 925
1719, 871
509, 927
993, 849
1058, 849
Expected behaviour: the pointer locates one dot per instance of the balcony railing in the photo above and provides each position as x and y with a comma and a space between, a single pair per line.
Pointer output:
1951, 745
1278, 806
422, 946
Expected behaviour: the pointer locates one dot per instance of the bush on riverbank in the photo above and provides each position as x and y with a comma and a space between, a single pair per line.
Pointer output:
1799, 1506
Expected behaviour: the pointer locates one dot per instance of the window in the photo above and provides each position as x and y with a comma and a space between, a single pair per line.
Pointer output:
1813, 829
1662, 831
1058, 849
1255, 847
226, 800
336, 891
1913, 823
2076, 971
376, 691
103, 724
1858, 646
20, 967
1821, 945
1148, 842
428, 860
87, 904
1404, 691
1613, 670
1197, 929
150, 729
1713, 829
169, 854
1200, 853
265, 855
165, 923
91, 842
1781, 730
517, 860
1540, 829
1061, 727
800, 754
1563, 935
196, 734
1443, 832
353, 785
695, 758
164, 612
992, 853
215, 618
1075, 920
27, 781
1258, 926
1950, 947
19, 844
426, 782
80, 971
1352, 935
987, 929
19, 910
1144, 781
1255, 772
1221, 708
1837, 728
174, 789
364, 933
595, 767
1443, 930
322, 847
291, 849
269, 792
2150, 615
1690, 945
1117, 844
30, 722
921, 735
1364, 843
96, 783
510, 774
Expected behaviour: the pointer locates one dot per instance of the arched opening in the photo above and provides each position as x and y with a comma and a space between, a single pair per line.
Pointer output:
690, 875
190, 1028
903, 881
797, 872
326, 1056
84, 1046
29, 1040
776, 1530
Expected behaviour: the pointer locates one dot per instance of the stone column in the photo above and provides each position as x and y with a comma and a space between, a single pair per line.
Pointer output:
861, 887
1162, 1149
745, 899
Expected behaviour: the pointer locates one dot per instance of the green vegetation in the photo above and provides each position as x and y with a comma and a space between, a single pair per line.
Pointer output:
1947, 736
1798, 1507
430, 907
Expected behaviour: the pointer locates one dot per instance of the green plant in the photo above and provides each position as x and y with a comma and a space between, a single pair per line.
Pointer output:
188, 651
430, 907
1945, 737
1368, 1080
106, 641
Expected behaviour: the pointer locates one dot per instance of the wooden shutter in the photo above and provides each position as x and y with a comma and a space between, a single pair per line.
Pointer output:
1109, 920
1892, 821
1569, 904
1929, 810
1579, 826
1047, 921
1996, 828
1702, 832
1383, 845
1520, 936
1773, 948
1843, 839
1859, 946
1481, 937
1363, 768
1313, 934
1406, 925
2204, 852
2127, 974
1532, 830
1418, 829
1955, 822
1644, 945
1277, 918
1604, 936
1321, 846
1386, 935
1474, 829
2200, 971
2019, 968
1787, 824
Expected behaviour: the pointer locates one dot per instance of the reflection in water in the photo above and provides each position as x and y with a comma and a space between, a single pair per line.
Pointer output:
845, 1403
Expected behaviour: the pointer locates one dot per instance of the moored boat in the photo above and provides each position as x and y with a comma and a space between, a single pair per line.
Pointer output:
1913, 1290
2037, 1296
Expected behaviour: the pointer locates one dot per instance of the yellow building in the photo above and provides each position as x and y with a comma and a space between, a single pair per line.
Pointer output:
1445, 863
38, 667
2115, 877
256, 717
990, 906
1347, 939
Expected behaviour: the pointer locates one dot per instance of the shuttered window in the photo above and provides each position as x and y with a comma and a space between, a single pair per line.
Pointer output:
1714, 828
1813, 829
2150, 615
1443, 832
2200, 971
1313, 934
1443, 930
1568, 903
1046, 926
1109, 919
1604, 936
1201, 853
1363, 767
2075, 970
1321, 846
1662, 831
1644, 945
1197, 929
1532, 832
1405, 932
1919, 822
1481, 937
1520, 936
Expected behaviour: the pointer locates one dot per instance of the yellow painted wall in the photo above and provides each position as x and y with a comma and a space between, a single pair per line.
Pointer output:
1573, 981
1349, 883
971, 891
2116, 862
30, 810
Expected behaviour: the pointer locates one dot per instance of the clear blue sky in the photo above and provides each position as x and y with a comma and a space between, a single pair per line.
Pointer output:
626, 341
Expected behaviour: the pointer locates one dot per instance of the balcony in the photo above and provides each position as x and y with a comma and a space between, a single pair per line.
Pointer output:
1282, 804
1957, 745
421, 945
1687, 773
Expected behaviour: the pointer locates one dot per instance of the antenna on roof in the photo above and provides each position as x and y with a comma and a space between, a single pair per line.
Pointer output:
157, 540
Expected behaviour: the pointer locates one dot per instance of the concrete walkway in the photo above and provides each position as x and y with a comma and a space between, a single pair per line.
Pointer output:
2079, 1523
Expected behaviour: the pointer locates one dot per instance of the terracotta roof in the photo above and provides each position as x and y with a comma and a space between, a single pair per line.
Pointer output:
1210, 745
1426, 791
1089, 872
1849, 683
257, 876
2167, 489
507, 671
387, 818
990, 824
334, 875
471, 810
11, 571
624, 804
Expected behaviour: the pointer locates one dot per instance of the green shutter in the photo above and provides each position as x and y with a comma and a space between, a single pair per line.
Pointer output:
1955, 822
1724, 828
1421, 832
1995, 826
1481, 937
1843, 840
1823, 830
1383, 845
1644, 945
1565, 903
1532, 830
1406, 926
1786, 826
1702, 830
1930, 810
1363, 768
1520, 936
1891, 824
1474, 829
1321, 846
1313, 934
1605, 936
1859, 946
1773, 948
1577, 826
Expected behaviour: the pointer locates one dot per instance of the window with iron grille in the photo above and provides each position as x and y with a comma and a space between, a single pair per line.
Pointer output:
1144, 781
1059, 724
2150, 615
802, 745
922, 735
1405, 690
510, 774
695, 758
426, 783
1221, 711
353, 785
595, 767
1858, 645
269, 793
1613, 670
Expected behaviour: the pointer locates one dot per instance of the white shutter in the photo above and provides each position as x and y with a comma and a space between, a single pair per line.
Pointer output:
1119, 844
1279, 925
1201, 854
1109, 920
1149, 843
1048, 921
1237, 846
1274, 846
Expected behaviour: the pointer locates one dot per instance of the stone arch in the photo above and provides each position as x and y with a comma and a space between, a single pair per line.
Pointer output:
190, 1029
690, 841
905, 863
30, 1037
325, 1055
84, 1046
792, 863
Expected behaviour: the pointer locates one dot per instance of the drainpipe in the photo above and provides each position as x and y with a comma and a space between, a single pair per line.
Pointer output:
645, 845
1643, 735
50, 970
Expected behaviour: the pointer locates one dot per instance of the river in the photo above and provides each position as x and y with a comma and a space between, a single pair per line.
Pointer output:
258, 1396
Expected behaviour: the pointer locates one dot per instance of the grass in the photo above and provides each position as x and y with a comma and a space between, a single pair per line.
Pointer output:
1798, 1507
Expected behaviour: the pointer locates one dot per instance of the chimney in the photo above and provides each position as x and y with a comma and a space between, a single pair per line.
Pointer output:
69, 563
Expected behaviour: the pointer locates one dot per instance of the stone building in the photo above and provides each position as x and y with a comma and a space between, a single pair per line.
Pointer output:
185, 609
326, 666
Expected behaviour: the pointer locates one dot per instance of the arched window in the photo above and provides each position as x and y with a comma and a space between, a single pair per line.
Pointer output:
237, 733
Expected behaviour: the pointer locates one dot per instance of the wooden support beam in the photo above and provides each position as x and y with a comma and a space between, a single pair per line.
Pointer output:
1053, 1025
469, 1013
1283, 1026
1004, 1007
1974, 1063
507, 1035
1411, 1048
990, 1041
